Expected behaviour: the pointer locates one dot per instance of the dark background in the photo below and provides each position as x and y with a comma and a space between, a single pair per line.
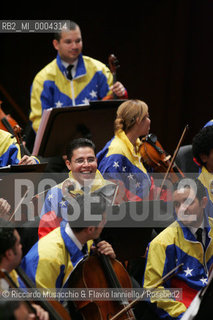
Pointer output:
164, 48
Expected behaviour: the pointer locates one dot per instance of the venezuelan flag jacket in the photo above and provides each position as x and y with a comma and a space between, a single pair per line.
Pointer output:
173, 246
51, 88
52, 259
54, 209
206, 178
118, 161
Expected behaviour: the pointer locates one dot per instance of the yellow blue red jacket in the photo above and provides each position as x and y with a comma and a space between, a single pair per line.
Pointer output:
51, 88
52, 259
206, 178
173, 246
118, 161
55, 205
9, 150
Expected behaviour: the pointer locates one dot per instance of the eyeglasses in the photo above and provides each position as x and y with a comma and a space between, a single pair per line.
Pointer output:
82, 160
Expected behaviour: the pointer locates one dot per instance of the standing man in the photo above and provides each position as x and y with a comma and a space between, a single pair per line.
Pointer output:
187, 241
71, 79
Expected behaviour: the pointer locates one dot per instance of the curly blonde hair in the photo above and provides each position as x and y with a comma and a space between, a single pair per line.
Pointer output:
128, 112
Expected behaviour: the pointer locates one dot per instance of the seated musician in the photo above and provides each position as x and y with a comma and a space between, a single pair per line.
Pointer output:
82, 163
51, 261
120, 159
202, 148
10, 258
187, 241
10, 151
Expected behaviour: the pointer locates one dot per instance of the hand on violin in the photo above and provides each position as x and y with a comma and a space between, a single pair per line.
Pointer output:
25, 160
105, 248
118, 89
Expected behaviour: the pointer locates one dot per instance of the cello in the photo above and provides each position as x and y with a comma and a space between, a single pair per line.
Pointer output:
100, 271
113, 66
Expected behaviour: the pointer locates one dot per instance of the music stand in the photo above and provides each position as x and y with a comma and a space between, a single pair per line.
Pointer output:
60, 125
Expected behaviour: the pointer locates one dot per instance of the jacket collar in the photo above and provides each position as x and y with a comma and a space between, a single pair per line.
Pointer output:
80, 70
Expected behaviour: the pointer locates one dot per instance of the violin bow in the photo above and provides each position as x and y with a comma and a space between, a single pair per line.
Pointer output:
162, 280
18, 205
173, 158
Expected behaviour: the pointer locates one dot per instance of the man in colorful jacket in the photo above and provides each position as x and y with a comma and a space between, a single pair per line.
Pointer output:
53, 258
181, 243
10, 151
83, 177
71, 79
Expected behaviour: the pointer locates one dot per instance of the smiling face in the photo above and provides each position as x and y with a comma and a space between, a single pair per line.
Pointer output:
83, 164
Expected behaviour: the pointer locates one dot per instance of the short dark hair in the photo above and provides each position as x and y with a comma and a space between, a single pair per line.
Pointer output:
194, 184
202, 143
7, 237
7, 309
78, 143
96, 208
71, 26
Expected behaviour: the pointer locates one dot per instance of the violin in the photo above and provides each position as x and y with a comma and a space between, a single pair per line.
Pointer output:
100, 271
6, 121
156, 157
113, 66
17, 133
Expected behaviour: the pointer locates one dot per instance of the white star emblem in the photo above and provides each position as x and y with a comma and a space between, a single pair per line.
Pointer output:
124, 169
85, 101
204, 280
130, 177
63, 203
116, 164
138, 184
93, 94
50, 196
188, 272
58, 104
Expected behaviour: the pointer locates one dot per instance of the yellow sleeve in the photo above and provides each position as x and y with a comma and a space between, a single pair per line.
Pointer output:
156, 259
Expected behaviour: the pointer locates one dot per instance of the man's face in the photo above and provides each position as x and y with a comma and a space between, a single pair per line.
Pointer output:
83, 165
70, 45
188, 208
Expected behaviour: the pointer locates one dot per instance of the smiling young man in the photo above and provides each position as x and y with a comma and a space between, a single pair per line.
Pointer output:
182, 242
70, 79
83, 177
